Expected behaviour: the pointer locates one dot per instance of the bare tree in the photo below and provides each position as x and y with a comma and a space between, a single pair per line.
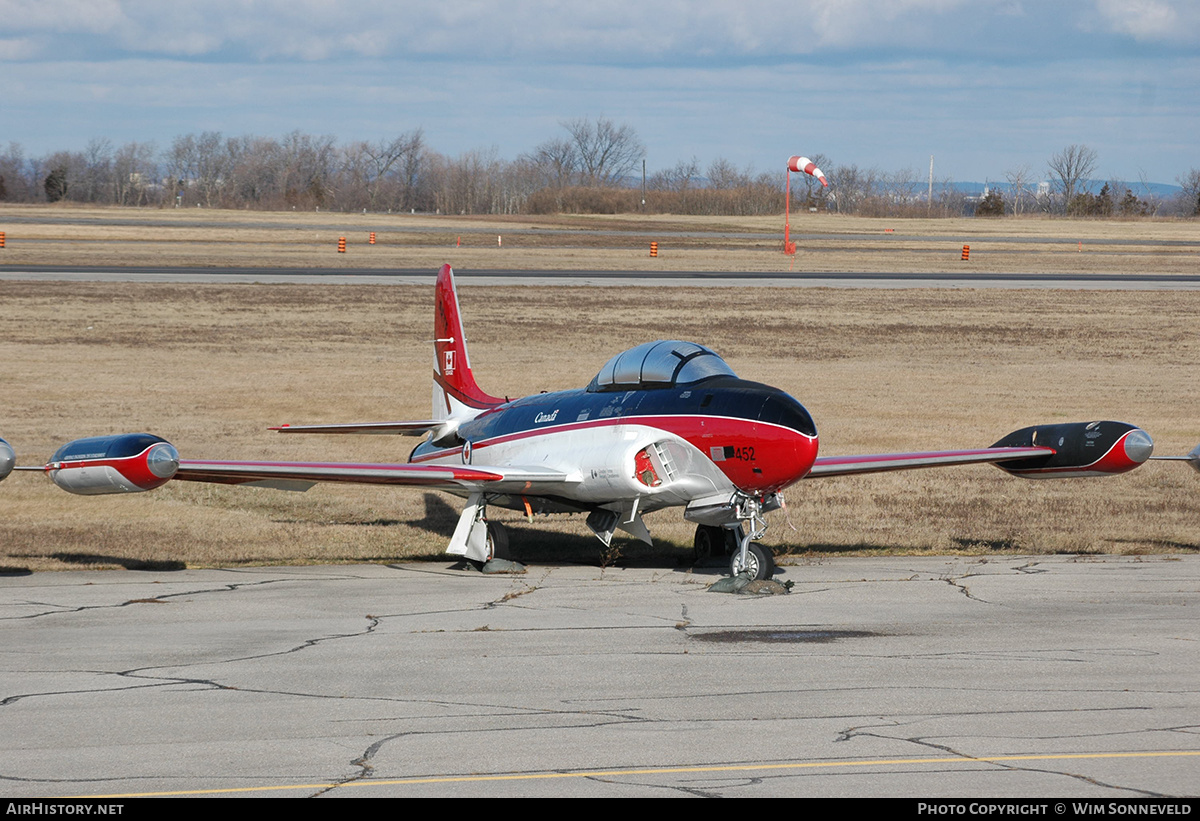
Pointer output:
607, 152
411, 169
724, 175
212, 166
949, 200
900, 187
254, 170
556, 161
310, 161
134, 171
1070, 168
854, 188
469, 183
680, 177
1153, 202
1018, 180
17, 175
1189, 194
201, 164
381, 157
95, 182
674, 188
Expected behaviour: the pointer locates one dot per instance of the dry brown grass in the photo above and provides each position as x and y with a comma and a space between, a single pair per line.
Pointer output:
53, 235
210, 367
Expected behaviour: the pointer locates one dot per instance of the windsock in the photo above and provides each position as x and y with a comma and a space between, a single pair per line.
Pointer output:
808, 167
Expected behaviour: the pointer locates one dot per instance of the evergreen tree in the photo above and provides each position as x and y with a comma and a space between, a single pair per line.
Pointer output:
56, 184
992, 205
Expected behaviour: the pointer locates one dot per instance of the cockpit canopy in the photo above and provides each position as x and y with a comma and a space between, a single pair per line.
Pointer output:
662, 364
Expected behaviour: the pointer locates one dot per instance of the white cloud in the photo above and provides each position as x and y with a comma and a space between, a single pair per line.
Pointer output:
18, 48
1152, 20
61, 16
612, 32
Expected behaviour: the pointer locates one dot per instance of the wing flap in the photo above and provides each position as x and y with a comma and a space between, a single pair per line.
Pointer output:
302, 475
240, 473
881, 462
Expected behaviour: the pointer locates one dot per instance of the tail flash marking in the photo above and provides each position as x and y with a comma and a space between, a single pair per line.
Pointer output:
455, 391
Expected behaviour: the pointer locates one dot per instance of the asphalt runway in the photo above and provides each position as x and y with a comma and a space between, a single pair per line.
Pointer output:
921, 677
422, 276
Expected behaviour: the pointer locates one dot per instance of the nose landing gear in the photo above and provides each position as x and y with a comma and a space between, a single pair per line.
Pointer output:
738, 540
758, 562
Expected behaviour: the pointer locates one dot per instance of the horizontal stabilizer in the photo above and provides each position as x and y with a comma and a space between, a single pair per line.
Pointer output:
416, 428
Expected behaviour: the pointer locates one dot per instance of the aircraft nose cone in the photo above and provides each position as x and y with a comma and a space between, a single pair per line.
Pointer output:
1138, 446
799, 460
810, 456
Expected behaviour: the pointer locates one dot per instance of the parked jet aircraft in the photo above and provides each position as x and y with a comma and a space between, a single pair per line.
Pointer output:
663, 424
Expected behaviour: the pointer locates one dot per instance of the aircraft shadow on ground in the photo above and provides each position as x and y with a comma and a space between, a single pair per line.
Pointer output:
816, 549
533, 545
1170, 546
129, 564
530, 544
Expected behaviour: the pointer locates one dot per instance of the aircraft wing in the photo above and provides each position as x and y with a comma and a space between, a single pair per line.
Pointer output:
880, 462
303, 475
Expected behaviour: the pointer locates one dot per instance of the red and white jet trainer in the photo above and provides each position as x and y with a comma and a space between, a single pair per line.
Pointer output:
664, 424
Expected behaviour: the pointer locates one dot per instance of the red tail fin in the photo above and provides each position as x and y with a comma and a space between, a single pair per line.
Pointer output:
455, 392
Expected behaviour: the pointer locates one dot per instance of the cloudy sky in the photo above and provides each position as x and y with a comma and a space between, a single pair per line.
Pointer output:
984, 85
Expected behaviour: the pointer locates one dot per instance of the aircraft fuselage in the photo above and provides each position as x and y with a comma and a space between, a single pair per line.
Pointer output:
732, 433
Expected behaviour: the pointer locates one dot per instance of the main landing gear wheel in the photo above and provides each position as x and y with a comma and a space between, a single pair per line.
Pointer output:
759, 562
713, 541
709, 542
497, 541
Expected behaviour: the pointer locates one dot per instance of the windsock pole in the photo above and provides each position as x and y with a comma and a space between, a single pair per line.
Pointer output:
787, 211
809, 167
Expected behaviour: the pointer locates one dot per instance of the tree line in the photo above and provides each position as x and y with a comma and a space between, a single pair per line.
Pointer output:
594, 166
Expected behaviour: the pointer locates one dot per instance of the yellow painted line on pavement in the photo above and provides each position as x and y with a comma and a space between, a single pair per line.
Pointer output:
720, 768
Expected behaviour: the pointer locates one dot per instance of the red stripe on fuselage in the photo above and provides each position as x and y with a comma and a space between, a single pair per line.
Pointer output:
764, 456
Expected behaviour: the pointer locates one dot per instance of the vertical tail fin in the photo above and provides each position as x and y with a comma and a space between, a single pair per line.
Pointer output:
455, 393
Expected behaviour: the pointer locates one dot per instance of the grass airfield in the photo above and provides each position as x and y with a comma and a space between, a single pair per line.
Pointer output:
210, 367
50, 235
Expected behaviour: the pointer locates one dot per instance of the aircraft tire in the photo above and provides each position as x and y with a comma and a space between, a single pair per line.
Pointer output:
709, 542
730, 537
497, 541
759, 562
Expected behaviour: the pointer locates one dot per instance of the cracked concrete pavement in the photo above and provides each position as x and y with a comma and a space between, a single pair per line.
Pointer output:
924, 677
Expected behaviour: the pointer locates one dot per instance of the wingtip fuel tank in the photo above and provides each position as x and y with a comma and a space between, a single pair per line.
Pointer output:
125, 463
1080, 449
